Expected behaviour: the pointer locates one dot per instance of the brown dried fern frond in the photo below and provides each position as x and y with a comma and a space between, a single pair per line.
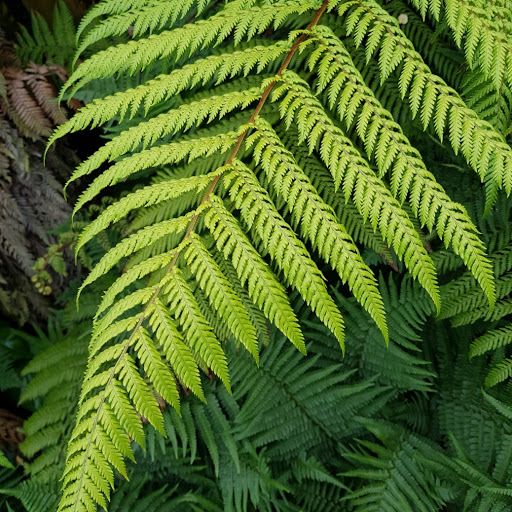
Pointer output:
29, 96
10, 430
31, 199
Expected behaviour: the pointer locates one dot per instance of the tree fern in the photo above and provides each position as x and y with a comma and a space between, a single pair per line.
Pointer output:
384, 140
227, 211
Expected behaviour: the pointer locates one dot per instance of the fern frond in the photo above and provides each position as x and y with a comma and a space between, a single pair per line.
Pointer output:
258, 319
48, 428
385, 142
225, 213
147, 133
264, 289
157, 156
349, 169
499, 373
176, 351
163, 87
218, 290
4, 461
61, 354
473, 298
110, 7
88, 473
431, 41
481, 96
318, 222
35, 496
143, 17
290, 421
134, 243
462, 294
484, 149
494, 340
491, 340
197, 331
122, 283
346, 212
184, 41
287, 251
501, 309
103, 418
485, 42
392, 474
43, 44
152, 194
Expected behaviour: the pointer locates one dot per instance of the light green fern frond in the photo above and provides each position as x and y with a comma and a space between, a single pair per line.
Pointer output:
484, 28
318, 222
5, 462
371, 196
287, 251
431, 40
163, 87
219, 291
384, 140
185, 41
484, 148
346, 212
253, 154
140, 17
264, 288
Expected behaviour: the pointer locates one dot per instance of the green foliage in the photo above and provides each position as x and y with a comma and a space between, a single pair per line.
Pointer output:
447, 444
326, 174
4, 461
242, 216
43, 44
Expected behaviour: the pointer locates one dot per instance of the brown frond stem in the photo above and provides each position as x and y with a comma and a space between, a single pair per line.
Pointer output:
257, 110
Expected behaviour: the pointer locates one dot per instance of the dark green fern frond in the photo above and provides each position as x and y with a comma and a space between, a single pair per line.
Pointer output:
391, 475
55, 45
289, 421
481, 95
35, 496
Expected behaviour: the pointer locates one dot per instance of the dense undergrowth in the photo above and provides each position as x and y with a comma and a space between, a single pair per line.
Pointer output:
293, 256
